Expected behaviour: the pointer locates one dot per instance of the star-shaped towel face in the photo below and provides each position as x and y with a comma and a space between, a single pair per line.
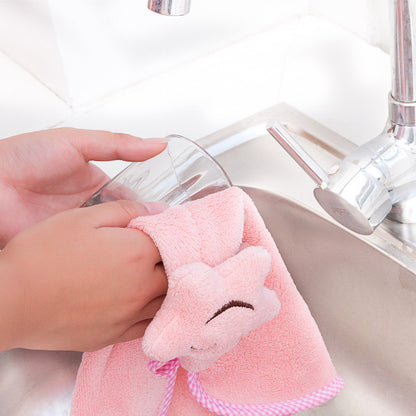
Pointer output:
208, 310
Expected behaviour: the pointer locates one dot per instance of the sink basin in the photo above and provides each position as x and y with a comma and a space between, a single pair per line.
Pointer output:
361, 290
363, 302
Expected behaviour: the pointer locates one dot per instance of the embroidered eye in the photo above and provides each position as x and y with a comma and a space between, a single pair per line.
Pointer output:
231, 304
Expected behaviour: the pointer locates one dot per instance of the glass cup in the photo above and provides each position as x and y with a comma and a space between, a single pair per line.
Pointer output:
184, 171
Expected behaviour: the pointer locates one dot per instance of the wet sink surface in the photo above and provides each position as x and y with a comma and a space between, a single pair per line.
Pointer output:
361, 291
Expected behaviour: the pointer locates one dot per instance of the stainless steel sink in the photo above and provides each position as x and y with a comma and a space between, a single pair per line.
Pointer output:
364, 304
361, 290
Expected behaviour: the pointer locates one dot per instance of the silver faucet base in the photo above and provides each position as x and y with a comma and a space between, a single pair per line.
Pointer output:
374, 184
378, 178
349, 215
375, 180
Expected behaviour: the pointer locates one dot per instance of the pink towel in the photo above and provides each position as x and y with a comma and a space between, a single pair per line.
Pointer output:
233, 336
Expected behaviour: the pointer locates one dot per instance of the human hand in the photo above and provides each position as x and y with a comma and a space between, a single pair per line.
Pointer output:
80, 281
47, 172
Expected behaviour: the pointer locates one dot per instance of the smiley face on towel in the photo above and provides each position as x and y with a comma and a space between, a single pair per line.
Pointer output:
209, 309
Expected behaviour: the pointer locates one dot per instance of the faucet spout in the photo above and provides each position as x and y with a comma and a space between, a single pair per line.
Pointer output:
170, 7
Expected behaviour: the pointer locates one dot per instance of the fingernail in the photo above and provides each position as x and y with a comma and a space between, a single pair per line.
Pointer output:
156, 207
156, 140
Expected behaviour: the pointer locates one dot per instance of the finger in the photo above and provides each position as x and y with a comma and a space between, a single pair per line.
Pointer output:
116, 191
149, 310
136, 331
141, 248
159, 282
145, 316
104, 145
113, 214
156, 207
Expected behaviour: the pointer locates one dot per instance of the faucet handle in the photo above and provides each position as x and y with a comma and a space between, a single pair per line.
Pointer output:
298, 153
354, 196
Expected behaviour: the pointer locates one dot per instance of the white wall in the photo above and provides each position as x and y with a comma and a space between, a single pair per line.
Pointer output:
27, 36
106, 44
366, 18
85, 49
116, 65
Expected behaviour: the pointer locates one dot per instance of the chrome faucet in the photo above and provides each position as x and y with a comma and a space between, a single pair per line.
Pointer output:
378, 179
170, 7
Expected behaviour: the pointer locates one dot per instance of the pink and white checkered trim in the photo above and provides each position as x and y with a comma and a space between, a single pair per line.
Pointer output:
169, 370
284, 408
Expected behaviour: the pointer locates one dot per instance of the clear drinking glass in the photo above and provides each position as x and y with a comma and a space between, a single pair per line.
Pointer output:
184, 171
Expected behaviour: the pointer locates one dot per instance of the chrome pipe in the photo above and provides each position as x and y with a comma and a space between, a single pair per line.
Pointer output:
403, 53
170, 7
402, 100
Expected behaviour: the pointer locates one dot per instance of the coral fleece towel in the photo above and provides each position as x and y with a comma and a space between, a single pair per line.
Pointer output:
233, 335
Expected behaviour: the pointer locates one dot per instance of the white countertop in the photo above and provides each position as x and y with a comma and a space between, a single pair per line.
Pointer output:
314, 65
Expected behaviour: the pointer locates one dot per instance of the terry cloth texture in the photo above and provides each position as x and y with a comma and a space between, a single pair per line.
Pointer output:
233, 335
